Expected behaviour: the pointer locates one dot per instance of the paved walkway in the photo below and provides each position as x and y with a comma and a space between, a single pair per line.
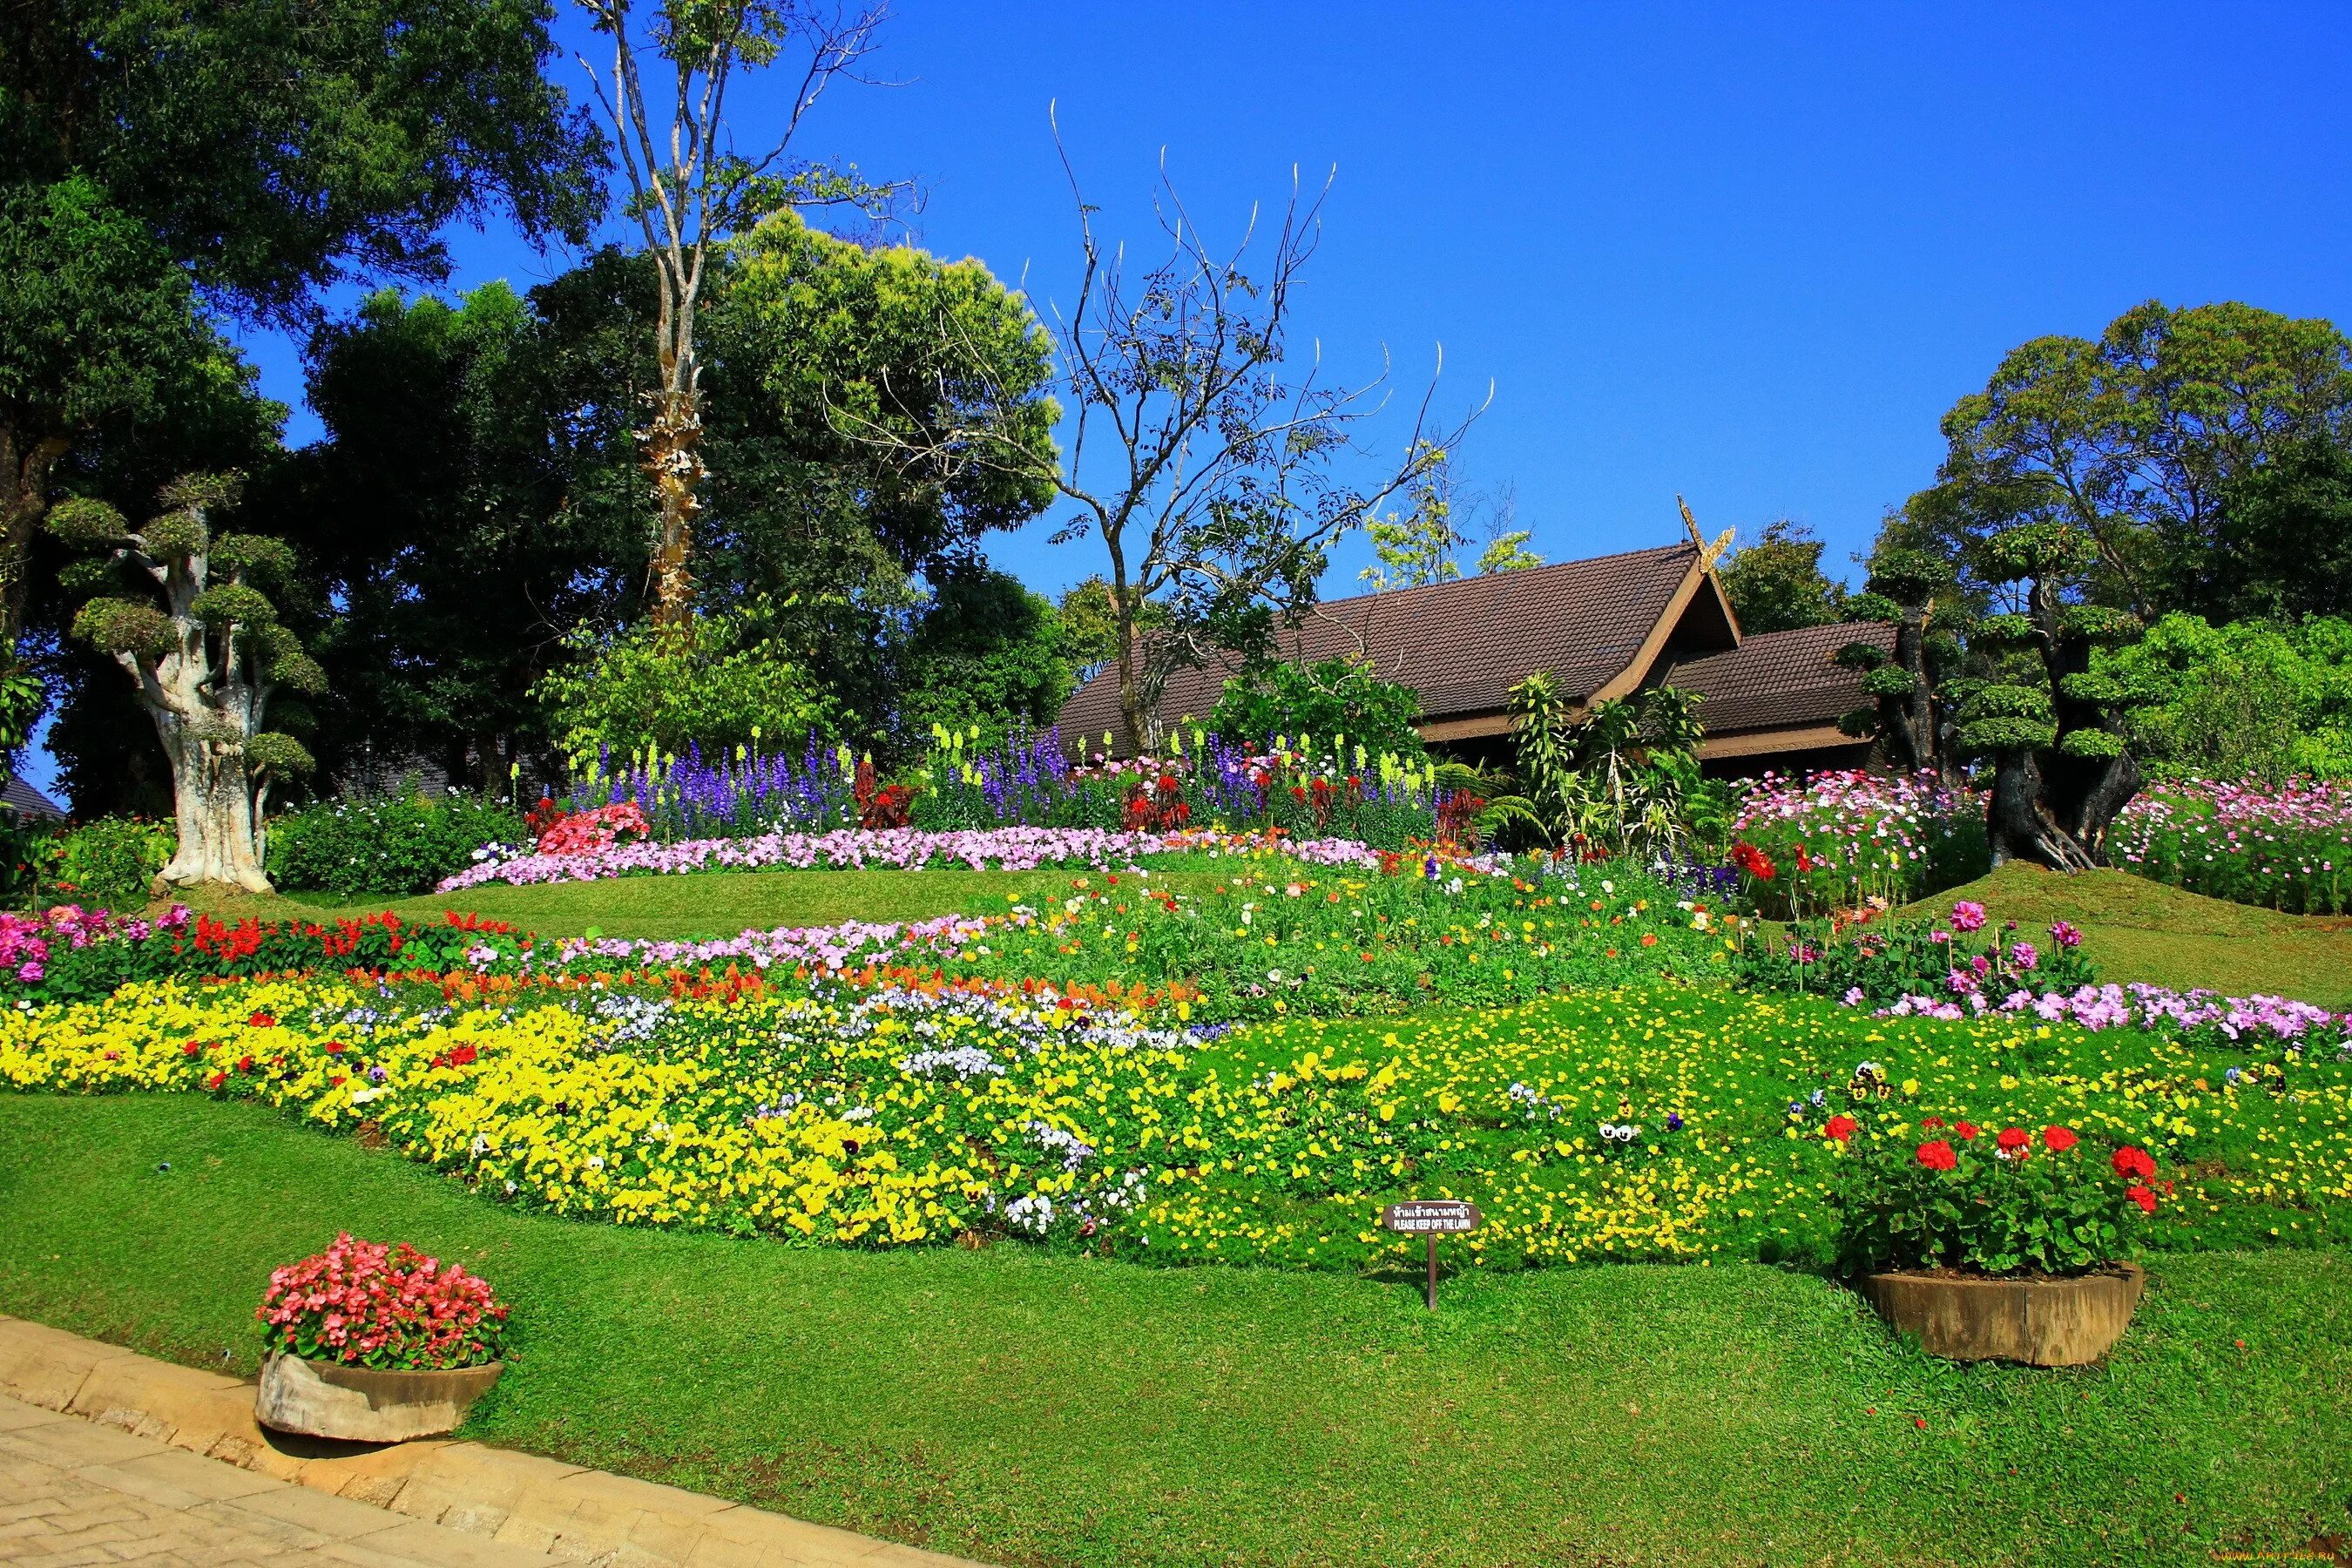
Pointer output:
72, 1492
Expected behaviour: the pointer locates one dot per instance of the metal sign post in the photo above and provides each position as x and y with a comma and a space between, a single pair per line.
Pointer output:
1431, 1218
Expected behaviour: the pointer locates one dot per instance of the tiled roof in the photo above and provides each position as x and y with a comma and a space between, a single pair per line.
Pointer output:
1461, 644
1779, 679
27, 799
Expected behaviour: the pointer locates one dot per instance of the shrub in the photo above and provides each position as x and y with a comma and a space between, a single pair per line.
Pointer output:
112, 861
1335, 698
1838, 840
1959, 1196
367, 1304
1966, 962
404, 844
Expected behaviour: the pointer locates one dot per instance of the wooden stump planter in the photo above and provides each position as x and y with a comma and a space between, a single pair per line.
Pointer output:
327, 1399
2042, 1320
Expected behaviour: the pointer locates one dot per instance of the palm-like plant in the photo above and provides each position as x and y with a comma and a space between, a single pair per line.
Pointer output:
1623, 778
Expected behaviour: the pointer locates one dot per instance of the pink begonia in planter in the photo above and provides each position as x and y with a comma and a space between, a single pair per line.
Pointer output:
376, 1343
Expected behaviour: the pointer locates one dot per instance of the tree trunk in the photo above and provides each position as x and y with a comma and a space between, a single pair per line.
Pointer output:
25, 458
674, 461
212, 804
2019, 827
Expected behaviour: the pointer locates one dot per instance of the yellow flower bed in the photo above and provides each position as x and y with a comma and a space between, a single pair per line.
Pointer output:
1664, 1122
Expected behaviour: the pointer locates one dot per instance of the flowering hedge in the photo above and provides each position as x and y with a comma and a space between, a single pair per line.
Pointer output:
1651, 1123
1841, 840
2287, 849
366, 1304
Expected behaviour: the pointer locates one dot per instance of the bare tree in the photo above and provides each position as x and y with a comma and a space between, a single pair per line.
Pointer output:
689, 188
1209, 475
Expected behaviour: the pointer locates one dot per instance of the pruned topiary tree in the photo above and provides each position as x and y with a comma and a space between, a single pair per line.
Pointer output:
183, 612
1905, 717
2049, 724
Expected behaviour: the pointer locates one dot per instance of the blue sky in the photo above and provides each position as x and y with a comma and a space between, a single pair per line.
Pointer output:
1748, 253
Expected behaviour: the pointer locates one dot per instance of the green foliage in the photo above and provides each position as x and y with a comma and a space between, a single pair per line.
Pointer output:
174, 536
1889, 680
2098, 624
2009, 702
2253, 700
1993, 737
722, 686
1777, 584
112, 861
986, 651
2036, 549
2281, 546
1620, 780
1334, 697
1865, 656
2091, 687
2047, 1210
256, 555
272, 755
122, 626
1906, 576
2091, 744
402, 843
2140, 440
1869, 607
234, 604
86, 522
2007, 630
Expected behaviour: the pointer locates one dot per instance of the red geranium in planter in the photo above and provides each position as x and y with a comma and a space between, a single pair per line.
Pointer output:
364, 1303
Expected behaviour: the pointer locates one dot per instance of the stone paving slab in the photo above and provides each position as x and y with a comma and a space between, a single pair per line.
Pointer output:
129, 1430
73, 1492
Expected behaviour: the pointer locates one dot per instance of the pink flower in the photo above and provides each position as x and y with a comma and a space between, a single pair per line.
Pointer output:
1968, 916
2023, 954
2065, 935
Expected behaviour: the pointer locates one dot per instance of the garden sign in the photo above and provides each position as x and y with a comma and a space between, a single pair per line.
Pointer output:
1432, 1217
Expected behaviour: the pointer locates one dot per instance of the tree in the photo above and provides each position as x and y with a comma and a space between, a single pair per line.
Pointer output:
985, 651
1423, 544
2135, 439
1333, 698
206, 664
1206, 471
2052, 727
461, 514
2251, 699
1777, 583
688, 189
1908, 718
1619, 779
2281, 543
251, 152
730, 685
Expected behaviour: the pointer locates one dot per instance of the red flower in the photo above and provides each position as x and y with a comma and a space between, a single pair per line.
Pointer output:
262, 1021
2013, 1139
2129, 1162
1931, 1123
1965, 1129
191, 1048
1937, 1155
216, 1080
1838, 1127
2142, 1196
2058, 1139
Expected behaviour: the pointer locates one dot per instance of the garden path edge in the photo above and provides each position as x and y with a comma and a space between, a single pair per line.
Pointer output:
522, 1499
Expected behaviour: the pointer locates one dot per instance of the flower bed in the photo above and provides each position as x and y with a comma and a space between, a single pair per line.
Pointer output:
1841, 841
903, 848
2287, 849
1658, 1123
363, 1303
1969, 961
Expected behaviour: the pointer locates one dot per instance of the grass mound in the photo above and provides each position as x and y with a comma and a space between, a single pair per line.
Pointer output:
2140, 930
1024, 1409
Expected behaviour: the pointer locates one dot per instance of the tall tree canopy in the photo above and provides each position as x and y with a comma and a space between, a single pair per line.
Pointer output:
156, 155
1777, 583
2136, 438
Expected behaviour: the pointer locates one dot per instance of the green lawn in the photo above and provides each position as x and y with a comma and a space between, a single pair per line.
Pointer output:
1028, 1409
2138, 930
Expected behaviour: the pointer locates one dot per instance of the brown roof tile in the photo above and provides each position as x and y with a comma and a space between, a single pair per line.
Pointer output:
1461, 644
1779, 678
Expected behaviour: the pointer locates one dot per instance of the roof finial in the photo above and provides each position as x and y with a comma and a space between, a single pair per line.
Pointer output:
1708, 555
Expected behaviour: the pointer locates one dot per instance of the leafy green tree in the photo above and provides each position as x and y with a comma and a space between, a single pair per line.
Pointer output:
985, 651
205, 661
1777, 583
1912, 592
468, 504
730, 684
2280, 545
2135, 439
1621, 778
2259, 700
689, 189
1336, 697
251, 152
